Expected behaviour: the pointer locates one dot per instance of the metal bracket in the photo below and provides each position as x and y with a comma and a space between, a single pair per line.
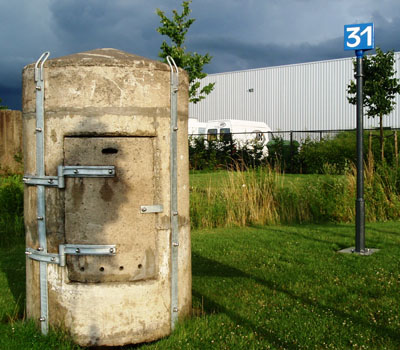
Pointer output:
147, 209
70, 249
70, 171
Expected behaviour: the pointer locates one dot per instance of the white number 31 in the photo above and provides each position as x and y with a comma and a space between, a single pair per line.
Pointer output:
357, 37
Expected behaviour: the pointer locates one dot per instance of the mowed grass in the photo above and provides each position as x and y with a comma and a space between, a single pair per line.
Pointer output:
275, 287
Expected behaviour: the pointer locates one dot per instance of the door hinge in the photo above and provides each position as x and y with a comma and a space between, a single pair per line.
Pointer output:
70, 249
70, 171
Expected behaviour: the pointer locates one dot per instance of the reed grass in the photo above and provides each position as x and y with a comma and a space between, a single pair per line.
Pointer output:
262, 197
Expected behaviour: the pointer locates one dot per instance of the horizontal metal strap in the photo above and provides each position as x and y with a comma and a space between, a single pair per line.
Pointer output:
146, 209
51, 181
70, 171
38, 255
88, 171
70, 249
85, 249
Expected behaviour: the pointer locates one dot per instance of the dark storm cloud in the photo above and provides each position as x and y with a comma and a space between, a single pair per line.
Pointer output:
84, 25
238, 34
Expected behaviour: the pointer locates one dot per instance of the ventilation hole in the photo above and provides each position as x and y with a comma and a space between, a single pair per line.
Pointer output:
82, 268
121, 268
139, 266
101, 269
109, 150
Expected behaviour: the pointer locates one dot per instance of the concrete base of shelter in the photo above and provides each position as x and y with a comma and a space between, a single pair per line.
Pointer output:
352, 250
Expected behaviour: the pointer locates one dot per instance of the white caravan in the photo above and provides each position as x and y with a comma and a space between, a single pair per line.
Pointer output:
223, 129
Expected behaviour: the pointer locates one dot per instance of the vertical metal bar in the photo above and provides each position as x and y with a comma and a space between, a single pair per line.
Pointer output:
360, 204
174, 191
41, 194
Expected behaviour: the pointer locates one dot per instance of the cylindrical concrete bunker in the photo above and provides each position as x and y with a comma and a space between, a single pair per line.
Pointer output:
99, 197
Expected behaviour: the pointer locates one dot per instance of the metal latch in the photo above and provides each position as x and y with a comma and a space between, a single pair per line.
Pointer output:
146, 209
70, 249
70, 171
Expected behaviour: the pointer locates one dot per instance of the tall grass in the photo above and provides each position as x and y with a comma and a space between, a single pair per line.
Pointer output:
260, 197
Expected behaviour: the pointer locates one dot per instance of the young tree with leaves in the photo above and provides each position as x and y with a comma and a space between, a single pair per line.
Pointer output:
1, 106
379, 88
176, 29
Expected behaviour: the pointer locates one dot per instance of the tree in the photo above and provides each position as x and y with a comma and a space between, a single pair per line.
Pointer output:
379, 88
176, 29
1, 106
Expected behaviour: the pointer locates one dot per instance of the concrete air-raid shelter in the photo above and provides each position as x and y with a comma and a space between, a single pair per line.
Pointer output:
106, 196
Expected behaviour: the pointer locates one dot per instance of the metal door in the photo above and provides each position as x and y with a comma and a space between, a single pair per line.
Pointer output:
108, 210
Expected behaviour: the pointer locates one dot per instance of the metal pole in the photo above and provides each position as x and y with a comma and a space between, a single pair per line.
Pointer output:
174, 192
360, 204
41, 193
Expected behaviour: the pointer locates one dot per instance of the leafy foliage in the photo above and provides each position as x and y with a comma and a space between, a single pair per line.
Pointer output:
379, 87
176, 29
224, 154
1, 106
11, 210
334, 155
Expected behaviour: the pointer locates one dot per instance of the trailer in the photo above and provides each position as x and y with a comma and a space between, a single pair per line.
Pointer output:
241, 131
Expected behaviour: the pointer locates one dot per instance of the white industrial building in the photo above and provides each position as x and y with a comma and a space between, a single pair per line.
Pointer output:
307, 96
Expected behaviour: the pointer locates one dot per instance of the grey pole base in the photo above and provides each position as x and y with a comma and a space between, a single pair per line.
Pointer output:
352, 250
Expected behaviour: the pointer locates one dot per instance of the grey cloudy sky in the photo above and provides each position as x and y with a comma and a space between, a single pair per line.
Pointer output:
239, 34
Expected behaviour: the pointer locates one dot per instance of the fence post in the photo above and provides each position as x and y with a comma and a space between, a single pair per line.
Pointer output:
291, 152
396, 148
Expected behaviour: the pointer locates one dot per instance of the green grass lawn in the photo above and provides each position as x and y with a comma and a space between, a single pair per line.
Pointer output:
273, 287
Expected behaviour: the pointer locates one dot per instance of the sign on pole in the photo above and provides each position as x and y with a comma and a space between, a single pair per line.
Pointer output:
359, 36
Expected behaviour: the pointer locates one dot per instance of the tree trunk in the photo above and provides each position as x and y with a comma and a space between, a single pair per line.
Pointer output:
382, 139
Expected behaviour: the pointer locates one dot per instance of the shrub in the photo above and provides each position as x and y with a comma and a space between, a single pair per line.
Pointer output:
224, 153
11, 210
284, 155
333, 155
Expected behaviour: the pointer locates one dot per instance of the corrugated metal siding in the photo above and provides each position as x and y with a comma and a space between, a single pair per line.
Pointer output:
308, 96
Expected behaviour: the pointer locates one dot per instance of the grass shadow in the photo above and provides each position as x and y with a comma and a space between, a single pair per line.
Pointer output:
205, 267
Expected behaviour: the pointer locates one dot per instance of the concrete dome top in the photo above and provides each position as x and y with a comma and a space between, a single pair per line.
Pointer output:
105, 57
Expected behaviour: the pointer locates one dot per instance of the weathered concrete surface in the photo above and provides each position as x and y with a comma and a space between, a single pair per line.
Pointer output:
108, 99
10, 141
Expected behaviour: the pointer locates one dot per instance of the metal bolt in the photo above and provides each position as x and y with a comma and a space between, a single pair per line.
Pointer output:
53, 259
175, 213
77, 250
110, 171
144, 209
38, 129
175, 128
38, 88
175, 309
175, 244
42, 319
51, 181
40, 249
111, 250
40, 217
76, 171
175, 90
28, 253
